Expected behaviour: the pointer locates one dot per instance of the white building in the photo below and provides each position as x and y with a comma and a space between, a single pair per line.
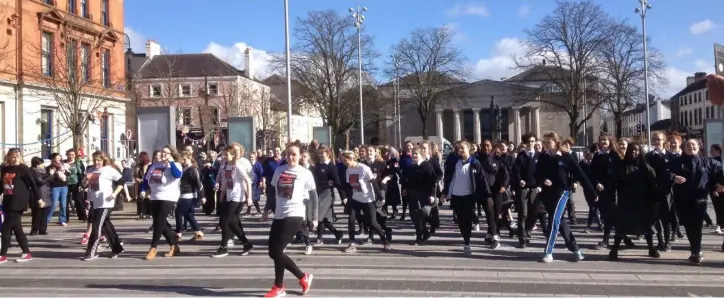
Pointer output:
659, 110
691, 106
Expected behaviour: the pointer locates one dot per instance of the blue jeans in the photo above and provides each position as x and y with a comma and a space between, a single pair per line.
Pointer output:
185, 212
59, 195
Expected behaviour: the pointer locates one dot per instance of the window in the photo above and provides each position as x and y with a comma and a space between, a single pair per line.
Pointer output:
185, 90
46, 59
156, 91
46, 133
50, 2
85, 56
213, 89
104, 13
186, 116
215, 114
106, 68
105, 133
84, 8
707, 113
72, 7
71, 56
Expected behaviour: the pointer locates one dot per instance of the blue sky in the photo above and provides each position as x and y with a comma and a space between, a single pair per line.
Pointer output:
488, 31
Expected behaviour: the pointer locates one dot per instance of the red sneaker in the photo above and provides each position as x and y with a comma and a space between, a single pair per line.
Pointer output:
276, 292
84, 240
24, 258
306, 282
3, 259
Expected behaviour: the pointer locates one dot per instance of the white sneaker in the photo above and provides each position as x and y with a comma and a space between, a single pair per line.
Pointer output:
466, 250
230, 243
579, 255
308, 250
718, 230
547, 258
477, 227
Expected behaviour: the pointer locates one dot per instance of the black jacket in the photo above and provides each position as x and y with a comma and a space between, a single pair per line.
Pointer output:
559, 169
494, 171
659, 162
701, 174
19, 187
524, 169
605, 167
477, 180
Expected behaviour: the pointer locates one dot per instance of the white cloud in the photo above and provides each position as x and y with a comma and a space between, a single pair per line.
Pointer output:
702, 27
684, 51
500, 64
471, 9
138, 41
458, 36
234, 54
677, 77
524, 10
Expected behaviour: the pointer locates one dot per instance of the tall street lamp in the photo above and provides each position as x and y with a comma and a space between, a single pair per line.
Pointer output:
359, 18
396, 88
289, 71
641, 11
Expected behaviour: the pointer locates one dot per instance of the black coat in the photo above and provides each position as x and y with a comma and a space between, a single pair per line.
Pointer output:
636, 206
393, 197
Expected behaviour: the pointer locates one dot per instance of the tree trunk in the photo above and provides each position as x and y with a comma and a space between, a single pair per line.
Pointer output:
618, 122
77, 139
423, 121
573, 128
346, 139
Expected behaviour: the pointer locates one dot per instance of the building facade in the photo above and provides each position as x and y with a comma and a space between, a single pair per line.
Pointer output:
62, 77
690, 107
466, 113
633, 122
304, 116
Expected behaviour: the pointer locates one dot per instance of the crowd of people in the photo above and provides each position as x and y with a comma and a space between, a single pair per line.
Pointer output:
630, 193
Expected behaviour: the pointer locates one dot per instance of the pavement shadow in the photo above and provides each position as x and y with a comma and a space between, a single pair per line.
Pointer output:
181, 290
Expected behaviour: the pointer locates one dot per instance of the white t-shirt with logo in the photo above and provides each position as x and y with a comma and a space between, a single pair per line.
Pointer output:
100, 186
360, 179
292, 187
232, 181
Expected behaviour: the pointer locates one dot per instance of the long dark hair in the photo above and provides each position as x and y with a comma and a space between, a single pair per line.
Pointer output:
640, 160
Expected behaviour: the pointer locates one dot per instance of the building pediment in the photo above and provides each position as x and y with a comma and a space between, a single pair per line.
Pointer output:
478, 95
109, 35
51, 15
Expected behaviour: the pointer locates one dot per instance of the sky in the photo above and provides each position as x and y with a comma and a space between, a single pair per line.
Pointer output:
488, 32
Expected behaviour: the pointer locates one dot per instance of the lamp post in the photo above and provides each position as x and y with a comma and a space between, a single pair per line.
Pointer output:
641, 11
289, 71
359, 18
397, 103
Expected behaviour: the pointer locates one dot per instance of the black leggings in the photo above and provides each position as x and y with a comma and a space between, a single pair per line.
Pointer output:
13, 224
282, 232
369, 218
75, 197
159, 211
102, 226
464, 208
230, 224
691, 214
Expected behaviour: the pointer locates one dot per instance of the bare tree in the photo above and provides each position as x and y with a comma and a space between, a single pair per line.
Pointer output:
6, 49
324, 63
164, 80
563, 49
622, 71
271, 116
430, 62
78, 83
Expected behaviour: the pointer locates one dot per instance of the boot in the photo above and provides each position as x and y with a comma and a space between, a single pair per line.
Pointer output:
151, 254
173, 250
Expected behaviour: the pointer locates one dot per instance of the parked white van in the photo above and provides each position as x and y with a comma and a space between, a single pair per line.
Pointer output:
444, 144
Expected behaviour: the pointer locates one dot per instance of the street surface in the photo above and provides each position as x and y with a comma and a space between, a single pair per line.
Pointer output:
436, 269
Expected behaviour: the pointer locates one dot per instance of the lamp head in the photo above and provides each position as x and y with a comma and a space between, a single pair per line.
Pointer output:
648, 6
637, 10
364, 8
351, 10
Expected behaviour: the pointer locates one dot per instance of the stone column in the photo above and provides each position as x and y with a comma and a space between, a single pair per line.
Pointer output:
536, 121
438, 123
516, 126
476, 121
456, 122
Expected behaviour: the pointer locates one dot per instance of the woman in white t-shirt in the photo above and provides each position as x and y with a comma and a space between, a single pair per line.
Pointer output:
163, 181
235, 187
245, 165
291, 183
104, 183
361, 201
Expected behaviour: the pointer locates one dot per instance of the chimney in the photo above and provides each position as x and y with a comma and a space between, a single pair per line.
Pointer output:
247, 63
690, 80
152, 48
698, 76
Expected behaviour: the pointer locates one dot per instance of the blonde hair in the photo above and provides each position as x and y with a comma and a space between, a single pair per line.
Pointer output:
241, 148
349, 154
103, 156
6, 160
